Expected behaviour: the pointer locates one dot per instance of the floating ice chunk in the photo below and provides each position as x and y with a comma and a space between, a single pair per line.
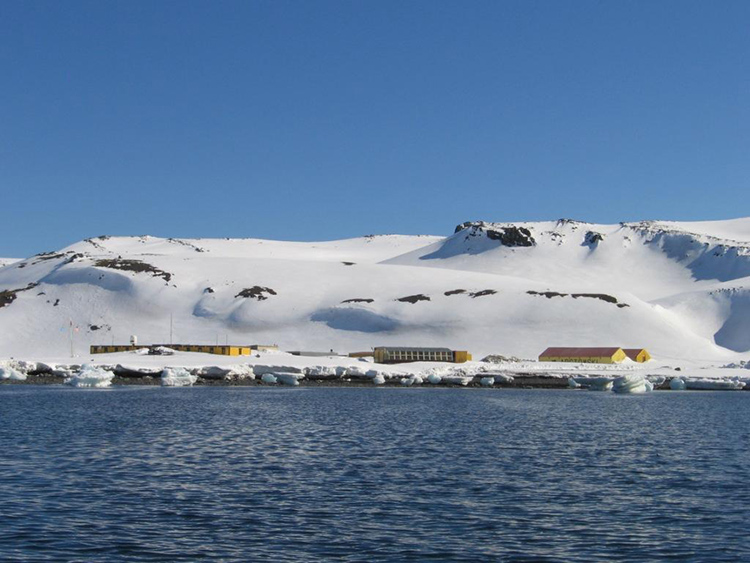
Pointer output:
287, 378
631, 383
7, 372
487, 381
434, 378
408, 381
595, 383
573, 384
91, 376
378, 379
677, 384
177, 377
268, 378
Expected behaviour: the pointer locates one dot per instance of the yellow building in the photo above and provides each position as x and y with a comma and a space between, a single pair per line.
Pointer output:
400, 355
583, 355
639, 355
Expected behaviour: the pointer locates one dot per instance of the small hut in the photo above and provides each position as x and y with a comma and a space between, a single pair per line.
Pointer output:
639, 355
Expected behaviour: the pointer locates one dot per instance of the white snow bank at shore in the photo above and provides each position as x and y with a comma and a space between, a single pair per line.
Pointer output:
91, 376
714, 385
7, 372
177, 377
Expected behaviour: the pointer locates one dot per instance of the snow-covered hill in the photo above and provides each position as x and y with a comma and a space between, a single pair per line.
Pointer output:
678, 289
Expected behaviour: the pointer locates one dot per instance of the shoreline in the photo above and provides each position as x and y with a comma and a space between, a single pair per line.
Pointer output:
519, 382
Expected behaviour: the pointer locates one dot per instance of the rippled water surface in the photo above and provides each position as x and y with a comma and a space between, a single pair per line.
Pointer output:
260, 474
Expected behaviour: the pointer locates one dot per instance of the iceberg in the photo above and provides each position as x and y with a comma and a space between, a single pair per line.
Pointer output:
434, 378
378, 379
177, 377
631, 383
286, 378
90, 376
268, 378
487, 381
677, 384
7, 372
594, 383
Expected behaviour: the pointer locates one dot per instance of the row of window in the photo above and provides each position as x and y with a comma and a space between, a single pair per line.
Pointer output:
417, 356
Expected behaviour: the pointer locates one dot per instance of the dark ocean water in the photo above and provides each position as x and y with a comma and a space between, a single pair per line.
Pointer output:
261, 474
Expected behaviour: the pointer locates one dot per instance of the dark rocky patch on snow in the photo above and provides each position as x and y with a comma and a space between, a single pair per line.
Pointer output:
413, 298
454, 292
592, 238
136, 266
95, 244
547, 294
601, 296
256, 292
500, 359
358, 300
510, 235
483, 293
7, 296
348, 263
188, 244
209, 290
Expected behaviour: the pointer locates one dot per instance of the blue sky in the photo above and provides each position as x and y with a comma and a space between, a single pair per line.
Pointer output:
318, 120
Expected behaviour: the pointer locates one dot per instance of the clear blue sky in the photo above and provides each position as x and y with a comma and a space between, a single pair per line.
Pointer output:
312, 120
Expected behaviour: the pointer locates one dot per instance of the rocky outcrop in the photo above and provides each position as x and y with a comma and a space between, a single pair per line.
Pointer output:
507, 235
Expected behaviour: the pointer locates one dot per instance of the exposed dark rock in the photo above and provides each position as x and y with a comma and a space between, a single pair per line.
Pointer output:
455, 292
185, 243
137, 266
547, 294
592, 238
413, 298
358, 300
600, 296
94, 327
256, 292
7, 296
209, 290
483, 293
56, 303
348, 263
510, 235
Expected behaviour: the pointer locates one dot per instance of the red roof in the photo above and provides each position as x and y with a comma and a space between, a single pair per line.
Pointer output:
580, 352
632, 353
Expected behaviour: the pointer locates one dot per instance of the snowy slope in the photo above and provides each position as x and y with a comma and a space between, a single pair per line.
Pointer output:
679, 289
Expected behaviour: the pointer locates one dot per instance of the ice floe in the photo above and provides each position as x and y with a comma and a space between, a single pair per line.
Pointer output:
90, 376
177, 377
